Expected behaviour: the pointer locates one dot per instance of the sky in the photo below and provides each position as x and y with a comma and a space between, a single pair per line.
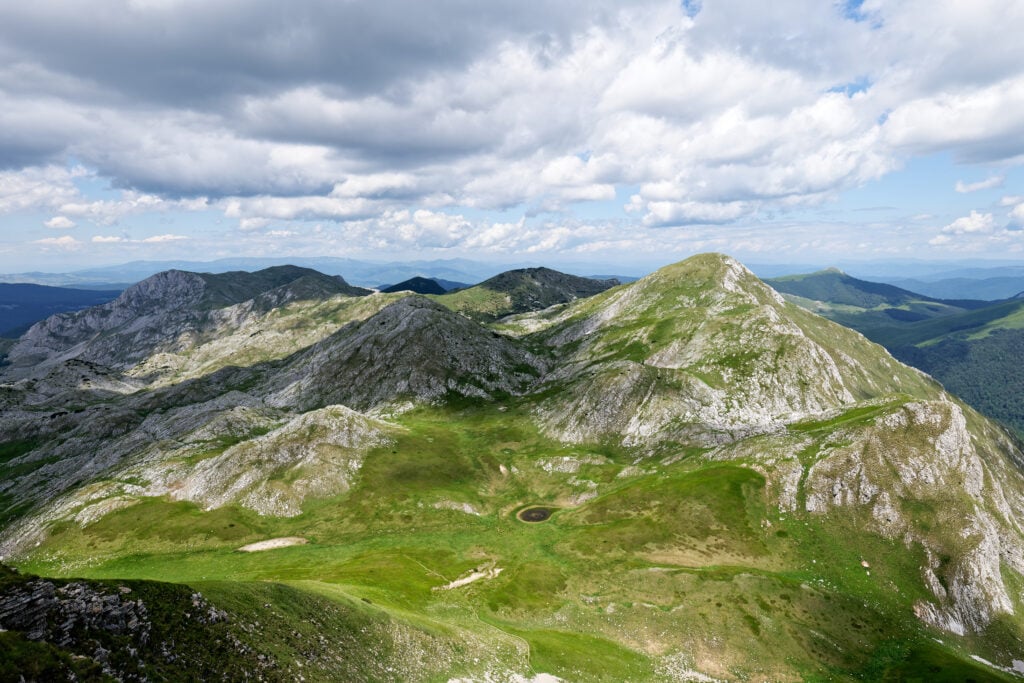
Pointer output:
618, 132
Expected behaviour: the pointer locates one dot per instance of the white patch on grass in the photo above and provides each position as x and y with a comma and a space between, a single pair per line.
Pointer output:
273, 543
458, 507
488, 573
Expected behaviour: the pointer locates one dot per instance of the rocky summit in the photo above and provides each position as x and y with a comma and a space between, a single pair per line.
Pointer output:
685, 478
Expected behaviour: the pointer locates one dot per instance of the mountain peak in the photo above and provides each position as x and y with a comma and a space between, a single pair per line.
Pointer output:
569, 285
834, 286
522, 290
711, 277
704, 349
418, 284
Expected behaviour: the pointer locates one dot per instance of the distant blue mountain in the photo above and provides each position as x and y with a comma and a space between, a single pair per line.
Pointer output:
22, 305
989, 288
450, 273
362, 273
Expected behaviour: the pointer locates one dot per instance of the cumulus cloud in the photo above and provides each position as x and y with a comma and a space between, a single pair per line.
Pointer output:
257, 212
64, 243
970, 227
37, 187
1017, 214
972, 122
974, 223
59, 223
987, 184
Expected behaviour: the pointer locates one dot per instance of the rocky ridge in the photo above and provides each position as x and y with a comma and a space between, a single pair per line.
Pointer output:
112, 626
414, 349
168, 312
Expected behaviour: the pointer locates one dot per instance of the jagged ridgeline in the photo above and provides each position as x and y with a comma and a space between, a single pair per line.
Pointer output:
683, 478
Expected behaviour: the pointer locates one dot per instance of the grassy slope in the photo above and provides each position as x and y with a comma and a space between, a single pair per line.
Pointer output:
693, 560
477, 302
875, 309
972, 324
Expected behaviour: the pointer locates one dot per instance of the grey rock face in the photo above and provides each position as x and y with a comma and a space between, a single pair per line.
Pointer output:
56, 614
413, 349
319, 453
109, 624
149, 315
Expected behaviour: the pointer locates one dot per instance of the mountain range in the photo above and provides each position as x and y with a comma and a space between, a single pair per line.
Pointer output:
366, 273
450, 272
972, 347
681, 478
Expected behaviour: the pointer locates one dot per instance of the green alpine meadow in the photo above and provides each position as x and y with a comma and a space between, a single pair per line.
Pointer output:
278, 476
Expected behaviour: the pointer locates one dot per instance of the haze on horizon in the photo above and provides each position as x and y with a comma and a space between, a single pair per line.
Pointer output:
617, 132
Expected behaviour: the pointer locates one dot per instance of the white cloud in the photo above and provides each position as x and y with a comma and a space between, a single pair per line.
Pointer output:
1017, 214
64, 243
37, 187
111, 211
975, 223
971, 121
987, 184
155, 239
59, 223
684, 213
257, 212
979, 231
425, 228
374, 184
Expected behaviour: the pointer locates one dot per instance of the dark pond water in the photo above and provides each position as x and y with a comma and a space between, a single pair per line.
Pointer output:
535, 514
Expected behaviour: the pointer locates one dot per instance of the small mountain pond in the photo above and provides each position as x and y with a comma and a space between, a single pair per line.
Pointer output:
534, 514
